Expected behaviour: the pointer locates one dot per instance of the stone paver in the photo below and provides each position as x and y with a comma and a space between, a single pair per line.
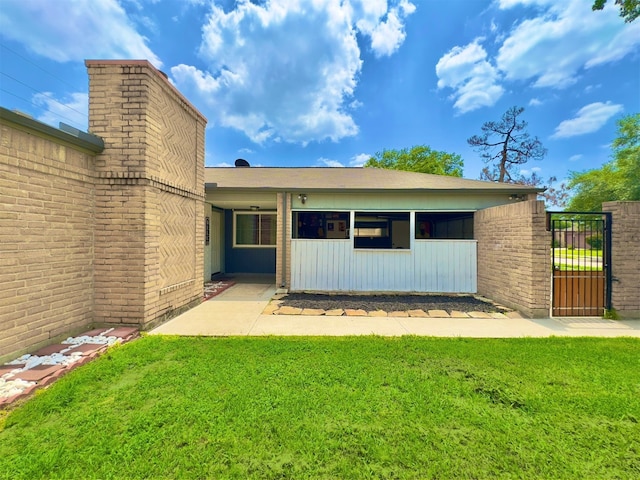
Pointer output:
417, 313
48, 350
438, 314
497, 315
312, 311
479, 315
87, 348
271, 308
355, 313
456, 314
9, 368
377, 313
286, 310
398, 313
336, 312
37, 373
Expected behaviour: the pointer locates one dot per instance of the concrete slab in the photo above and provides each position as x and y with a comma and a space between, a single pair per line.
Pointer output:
238, 312
233, 312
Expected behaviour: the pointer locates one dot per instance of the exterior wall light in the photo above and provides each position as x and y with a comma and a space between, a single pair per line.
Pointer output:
303, 198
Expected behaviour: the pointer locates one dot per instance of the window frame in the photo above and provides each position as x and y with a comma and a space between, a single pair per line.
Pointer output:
462, 213
345, 213
260, 214
364, 213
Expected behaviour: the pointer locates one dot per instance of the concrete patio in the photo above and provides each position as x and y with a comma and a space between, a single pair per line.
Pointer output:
238, 311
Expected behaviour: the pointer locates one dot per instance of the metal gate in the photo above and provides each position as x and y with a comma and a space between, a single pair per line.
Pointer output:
581, 260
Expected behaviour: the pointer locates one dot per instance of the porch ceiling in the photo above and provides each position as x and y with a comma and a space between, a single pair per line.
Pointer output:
242, 200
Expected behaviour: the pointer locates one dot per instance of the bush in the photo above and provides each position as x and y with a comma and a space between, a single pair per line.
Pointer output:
595, 242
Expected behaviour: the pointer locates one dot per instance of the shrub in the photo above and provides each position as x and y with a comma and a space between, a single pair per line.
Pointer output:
595, 242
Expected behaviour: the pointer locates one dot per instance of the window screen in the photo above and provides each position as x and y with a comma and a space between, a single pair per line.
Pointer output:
453, 225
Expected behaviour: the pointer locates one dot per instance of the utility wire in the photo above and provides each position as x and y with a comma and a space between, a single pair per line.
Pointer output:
2, 45
37, 106
44, 94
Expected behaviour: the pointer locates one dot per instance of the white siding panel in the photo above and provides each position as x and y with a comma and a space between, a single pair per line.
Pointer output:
448, 266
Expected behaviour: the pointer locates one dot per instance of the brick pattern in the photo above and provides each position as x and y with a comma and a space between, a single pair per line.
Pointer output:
625, 257
177, 239
514, 264
46, 239
154, 158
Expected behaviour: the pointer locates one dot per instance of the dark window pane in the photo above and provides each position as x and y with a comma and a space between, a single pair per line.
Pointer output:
440, 225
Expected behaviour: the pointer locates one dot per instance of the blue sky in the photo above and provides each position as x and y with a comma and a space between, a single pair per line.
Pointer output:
331, 82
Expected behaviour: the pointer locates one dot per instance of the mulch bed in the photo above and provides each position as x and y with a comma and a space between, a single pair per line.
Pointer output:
390, 303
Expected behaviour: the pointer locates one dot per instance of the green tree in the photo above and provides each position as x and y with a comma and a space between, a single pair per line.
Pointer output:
618, 179
629, 9
419, 158
505, 145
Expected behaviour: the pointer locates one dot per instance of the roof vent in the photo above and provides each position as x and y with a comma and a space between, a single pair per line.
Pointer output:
241, 162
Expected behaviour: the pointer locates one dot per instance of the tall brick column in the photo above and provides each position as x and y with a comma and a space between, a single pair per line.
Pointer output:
625, 257
514, 261
149, 194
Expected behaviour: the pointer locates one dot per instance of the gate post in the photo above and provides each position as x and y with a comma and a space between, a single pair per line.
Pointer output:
625, 257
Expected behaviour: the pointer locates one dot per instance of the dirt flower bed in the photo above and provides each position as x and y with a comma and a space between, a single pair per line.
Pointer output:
390, 303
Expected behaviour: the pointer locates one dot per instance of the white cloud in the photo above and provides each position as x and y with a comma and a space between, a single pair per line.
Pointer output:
286, 70
72, 111
356, 161
525, 171
575, 158
327, 162
534, 102
359, 160
386, 34
473, 79
552, 48
589, 119
74, 30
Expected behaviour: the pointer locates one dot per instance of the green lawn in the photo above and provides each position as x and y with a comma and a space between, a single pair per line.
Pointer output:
336, 408
578, 252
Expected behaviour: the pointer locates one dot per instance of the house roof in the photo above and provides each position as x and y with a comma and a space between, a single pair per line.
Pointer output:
358, 178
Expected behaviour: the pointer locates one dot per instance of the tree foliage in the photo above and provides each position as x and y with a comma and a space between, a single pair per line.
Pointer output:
618, 179
554, 195
505, 145
418, 158
629, 9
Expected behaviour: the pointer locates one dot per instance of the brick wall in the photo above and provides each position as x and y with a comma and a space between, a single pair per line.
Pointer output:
514, 265
149, 194
106, 229
625, 257
46, 235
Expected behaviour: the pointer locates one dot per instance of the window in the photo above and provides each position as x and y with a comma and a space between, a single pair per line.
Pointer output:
254, 229
451, 225
321, 225
384, 230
